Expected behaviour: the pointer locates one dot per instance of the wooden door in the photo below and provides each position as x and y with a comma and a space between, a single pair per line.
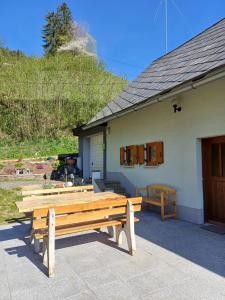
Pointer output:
96, 154
213, 160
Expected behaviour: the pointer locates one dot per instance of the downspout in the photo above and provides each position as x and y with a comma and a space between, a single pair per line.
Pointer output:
104, 153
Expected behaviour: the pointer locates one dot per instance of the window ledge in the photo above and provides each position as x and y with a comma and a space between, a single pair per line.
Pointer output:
151, 167
128, 166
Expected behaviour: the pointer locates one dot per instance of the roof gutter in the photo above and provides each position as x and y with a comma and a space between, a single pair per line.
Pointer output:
191, 85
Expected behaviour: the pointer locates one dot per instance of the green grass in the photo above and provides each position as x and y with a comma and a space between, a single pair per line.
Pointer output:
42, 147
8, 209
48, 96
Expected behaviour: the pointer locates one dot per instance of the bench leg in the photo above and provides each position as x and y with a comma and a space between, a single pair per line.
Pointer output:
118, 234
31, 236
163, 213
51, 243
162, 207
45, 252
175, 210
36, 245
129, 228
110, 231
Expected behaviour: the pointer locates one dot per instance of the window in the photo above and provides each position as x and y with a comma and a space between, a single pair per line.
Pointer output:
151, 154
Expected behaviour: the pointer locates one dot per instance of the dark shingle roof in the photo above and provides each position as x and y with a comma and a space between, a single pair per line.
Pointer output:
199, 55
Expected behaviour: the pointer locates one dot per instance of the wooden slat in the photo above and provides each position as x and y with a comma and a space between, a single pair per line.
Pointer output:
58, 190
163, 188
157, 202
106, 203
84, 227
69, 195
83, 217
31, 187
60, 200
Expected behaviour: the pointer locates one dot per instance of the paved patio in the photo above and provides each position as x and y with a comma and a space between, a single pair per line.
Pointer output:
174, 260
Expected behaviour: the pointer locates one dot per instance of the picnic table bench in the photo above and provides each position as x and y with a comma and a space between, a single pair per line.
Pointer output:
60, 216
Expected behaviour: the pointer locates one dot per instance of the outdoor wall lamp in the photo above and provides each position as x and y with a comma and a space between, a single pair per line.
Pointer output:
176, 108
176, 104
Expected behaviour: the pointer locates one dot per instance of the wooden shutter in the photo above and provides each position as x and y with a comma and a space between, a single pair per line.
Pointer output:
134, 154
160, 154
131, 155
141, 154
122, 156
151, 154
155, 153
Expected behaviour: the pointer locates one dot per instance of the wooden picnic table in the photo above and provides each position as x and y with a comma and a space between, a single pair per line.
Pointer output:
60, 200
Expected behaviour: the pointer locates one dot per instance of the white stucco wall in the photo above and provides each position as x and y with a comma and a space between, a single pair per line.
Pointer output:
202, 115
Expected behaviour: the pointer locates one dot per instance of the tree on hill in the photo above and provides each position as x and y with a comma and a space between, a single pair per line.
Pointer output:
66, 23
58, 30
51, 36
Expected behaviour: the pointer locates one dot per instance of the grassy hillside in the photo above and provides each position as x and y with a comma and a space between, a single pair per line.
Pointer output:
44, 98
41, 147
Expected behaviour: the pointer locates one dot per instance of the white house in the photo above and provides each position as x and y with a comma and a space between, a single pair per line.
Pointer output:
168, 126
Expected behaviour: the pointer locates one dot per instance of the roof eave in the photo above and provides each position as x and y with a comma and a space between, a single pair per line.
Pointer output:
206, 77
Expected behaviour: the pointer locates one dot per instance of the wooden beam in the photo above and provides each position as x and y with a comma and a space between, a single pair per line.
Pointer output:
51, 243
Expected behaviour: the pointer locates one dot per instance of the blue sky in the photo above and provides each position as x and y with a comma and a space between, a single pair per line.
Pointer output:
128, 34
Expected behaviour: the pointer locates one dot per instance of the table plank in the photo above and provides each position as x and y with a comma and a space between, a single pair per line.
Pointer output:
60, 200
89, 187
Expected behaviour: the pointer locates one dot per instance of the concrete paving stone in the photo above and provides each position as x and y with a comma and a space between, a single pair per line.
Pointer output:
62, 271
190, 290
128, 270
145, 284
25, 260
84, 295
83, 265
131, 269
112, 259
10, 244
67, 287
2, 264
169, 275
3, 280
98, 277
21, 279
81, 252
5, 294
34, 293
4, 287
115, 290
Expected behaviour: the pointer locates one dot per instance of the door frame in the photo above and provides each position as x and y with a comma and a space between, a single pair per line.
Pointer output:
84, 148
206, 155
90, 166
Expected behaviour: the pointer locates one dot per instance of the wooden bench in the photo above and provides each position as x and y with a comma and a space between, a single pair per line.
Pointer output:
62, 220
160, 195
43, 192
